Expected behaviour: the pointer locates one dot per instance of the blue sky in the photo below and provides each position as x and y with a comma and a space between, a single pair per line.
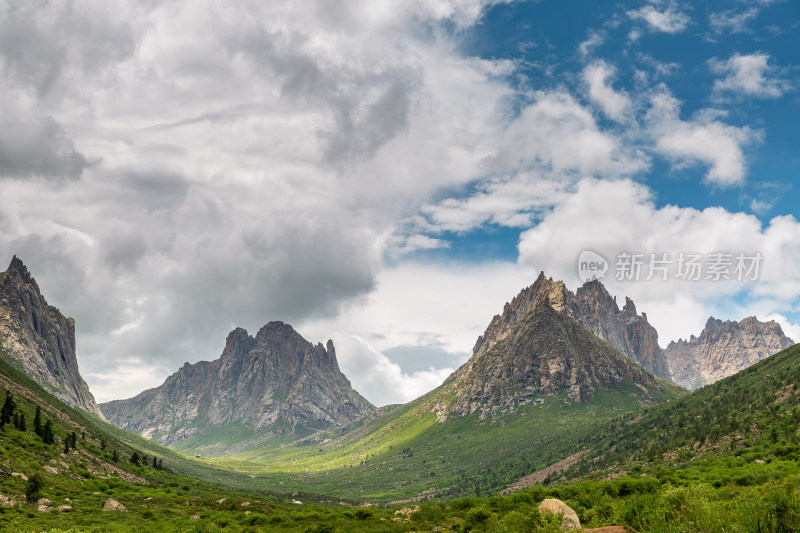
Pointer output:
387, 173
544, 40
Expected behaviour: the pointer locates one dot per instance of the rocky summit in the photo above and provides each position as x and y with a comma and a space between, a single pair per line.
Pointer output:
723, 349
276, 384
595, 310
537, 348
37, 337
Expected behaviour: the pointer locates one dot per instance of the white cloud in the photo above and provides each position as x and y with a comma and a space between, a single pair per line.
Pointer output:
442, 306
509, 201
593, 41
732, 21
669, 20
380, 380
615, 217
749, 75
703, 139
617, 105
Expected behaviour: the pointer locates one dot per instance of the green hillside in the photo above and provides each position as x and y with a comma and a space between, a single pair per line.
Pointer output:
403, 452
75, 485
744, 429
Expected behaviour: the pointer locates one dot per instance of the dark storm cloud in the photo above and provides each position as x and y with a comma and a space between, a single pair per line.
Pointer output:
35, 146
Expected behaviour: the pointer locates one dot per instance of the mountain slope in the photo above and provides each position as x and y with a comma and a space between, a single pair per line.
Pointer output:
40, 339
74, 487
275, 386
595, 310
722, 428
536, 379
723, 349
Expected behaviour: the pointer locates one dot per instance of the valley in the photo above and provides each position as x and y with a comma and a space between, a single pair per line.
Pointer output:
545, 408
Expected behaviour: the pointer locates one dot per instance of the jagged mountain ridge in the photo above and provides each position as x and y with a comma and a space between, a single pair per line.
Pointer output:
595, 310
41, 339
536, 347
723, 349
274, 383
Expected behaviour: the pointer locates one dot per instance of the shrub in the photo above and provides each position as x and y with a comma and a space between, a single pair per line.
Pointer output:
34, 486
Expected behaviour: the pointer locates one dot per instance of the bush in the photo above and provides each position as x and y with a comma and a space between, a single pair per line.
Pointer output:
477, 517
34, 486
363, 514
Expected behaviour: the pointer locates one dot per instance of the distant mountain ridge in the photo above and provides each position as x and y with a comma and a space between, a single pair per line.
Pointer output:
723, 349
595, 310
40, 339
275, 384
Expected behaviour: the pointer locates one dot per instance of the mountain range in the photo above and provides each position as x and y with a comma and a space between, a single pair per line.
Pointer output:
547, 397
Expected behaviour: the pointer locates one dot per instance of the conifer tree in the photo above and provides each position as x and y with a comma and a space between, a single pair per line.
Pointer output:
9, 406
37, 422
47, 432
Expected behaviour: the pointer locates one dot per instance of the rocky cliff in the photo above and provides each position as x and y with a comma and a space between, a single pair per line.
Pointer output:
595, 310
536, 347
40, 339
274, 384
723, 349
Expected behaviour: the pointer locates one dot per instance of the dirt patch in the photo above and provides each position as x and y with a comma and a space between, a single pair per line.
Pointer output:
540, 475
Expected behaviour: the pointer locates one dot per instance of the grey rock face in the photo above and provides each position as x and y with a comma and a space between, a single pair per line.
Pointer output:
595, 310
723, 349
40, 339
275, 379
535, 347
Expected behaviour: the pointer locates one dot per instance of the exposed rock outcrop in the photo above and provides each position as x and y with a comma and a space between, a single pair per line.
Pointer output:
40, 339
595, 310
276, 382
537, 347
723, 349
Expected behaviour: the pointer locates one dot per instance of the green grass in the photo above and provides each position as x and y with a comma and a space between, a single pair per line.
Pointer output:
403, 452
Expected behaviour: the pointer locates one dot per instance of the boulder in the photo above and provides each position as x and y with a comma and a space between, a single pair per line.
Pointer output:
113, 505
570, 521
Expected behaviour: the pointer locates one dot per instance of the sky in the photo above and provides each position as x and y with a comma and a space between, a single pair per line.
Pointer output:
388, 173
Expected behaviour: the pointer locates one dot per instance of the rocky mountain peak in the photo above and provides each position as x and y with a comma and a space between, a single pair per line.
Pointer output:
262, 387
536, 348
723, 349
593, 308
41, 339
